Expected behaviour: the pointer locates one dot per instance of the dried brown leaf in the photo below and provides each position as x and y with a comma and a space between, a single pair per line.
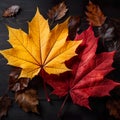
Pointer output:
57, 12
95, 15
113, 105
5, 103
11, 11
108, 37
28, 100
106, 32
73, 26
116, 23
16, 83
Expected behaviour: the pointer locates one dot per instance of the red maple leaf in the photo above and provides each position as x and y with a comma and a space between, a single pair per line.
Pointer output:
88, 73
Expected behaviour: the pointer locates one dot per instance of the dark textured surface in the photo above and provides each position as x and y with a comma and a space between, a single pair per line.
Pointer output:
48, 110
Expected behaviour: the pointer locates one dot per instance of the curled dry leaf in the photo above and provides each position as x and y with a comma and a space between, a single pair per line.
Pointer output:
116, 23
27, 100
57, 12
11, 11
107, 36
16, 83
5, 103
95, 15
106, 32
73, 26
113, 105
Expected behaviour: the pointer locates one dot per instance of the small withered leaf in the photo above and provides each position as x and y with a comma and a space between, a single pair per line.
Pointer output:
57, 12
116, 23
107, 36
27, 100
73, 26
94, 15
16, 83
113, 105
106, 32
5, 103
11, 11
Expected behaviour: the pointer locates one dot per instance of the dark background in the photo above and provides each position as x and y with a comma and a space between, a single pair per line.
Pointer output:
48, 111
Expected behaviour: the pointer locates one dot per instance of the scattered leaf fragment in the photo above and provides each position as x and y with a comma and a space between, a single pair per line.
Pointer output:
88, 74
95, 15
11, 11
5, 103
57, 12
16, 83
27, 100
73, 26
113, 105
40, 48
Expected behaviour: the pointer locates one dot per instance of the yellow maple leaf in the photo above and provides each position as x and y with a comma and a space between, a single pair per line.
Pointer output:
41, 48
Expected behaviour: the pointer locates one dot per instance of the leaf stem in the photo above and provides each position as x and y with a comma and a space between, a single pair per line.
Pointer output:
62, 106
46, 93
44, 85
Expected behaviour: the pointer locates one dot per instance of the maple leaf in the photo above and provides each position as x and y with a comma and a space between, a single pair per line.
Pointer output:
27, 100
88, 74
95, 15
40, 48
57, 12
5, 103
